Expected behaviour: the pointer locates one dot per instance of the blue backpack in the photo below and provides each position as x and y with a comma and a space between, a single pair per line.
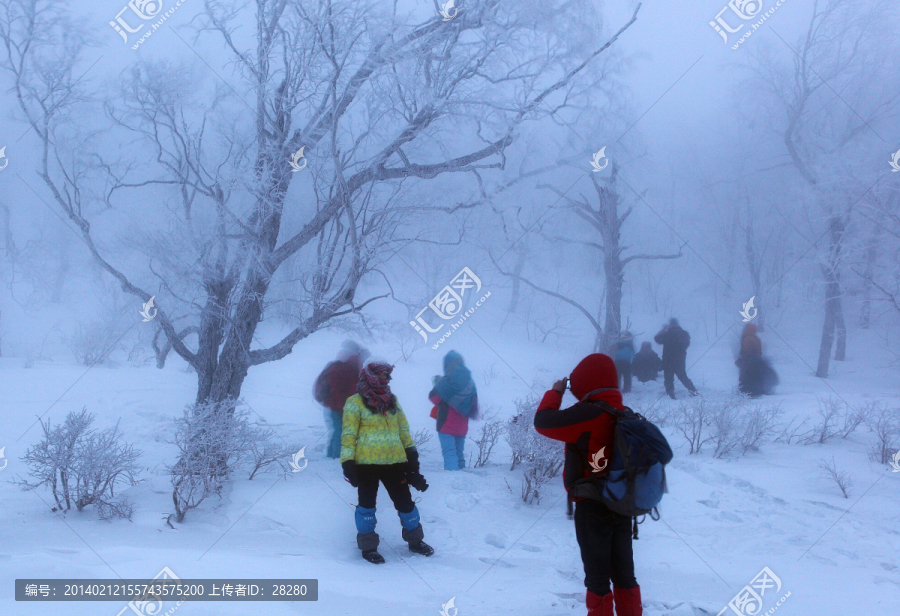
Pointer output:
636, 480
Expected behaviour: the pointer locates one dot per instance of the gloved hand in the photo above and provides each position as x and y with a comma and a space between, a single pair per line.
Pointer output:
412, 461
350, 473
417, 481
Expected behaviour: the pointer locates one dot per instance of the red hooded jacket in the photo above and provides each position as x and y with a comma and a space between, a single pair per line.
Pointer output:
586, 429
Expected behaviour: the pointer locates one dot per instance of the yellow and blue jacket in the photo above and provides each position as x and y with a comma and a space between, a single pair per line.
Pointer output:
373, 438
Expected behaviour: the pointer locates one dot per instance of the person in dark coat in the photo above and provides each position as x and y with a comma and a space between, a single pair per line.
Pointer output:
624, 355
675, 342
334, 385
646, 364
755, 377
604, 537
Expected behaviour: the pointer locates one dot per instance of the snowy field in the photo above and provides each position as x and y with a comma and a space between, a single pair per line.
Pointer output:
722, 522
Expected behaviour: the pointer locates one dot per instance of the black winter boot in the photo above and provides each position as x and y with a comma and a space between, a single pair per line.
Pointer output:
368, 543
414, 538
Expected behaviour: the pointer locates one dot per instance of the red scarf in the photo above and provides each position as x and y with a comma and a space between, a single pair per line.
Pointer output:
374, 389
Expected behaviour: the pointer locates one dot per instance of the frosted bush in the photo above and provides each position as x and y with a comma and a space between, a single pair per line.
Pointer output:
82, 466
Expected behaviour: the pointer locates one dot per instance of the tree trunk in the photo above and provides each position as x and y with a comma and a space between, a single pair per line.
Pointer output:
834, 314
865, 317
754, 265
840, 351
614, 279
517, 283
827, 338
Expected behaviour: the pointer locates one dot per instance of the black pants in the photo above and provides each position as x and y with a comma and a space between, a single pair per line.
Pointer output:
624, 369
392, 476
674, 368
605, 541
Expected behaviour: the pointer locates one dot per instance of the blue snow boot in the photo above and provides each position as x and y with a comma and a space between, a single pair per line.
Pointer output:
367, 538
413, 533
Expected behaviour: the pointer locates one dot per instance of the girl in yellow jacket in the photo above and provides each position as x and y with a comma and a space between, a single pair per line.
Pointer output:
376, 447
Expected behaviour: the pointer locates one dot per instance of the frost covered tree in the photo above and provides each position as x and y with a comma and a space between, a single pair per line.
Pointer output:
606, 220
310, 153
824, 97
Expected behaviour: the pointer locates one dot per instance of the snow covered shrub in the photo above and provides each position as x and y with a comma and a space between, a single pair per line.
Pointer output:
739, 426
693, 417
491, 429
213, 438
520, 427
489, 374
792, 431
760, 423
421, 438
541, 458
835, 419
266, 454
841, 478
885, 425
82, 466
542, 462
658, 414
93, 342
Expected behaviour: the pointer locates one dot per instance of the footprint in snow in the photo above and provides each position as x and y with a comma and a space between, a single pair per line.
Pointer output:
729, 517
570, 595
529, 548
461, 502
711, 502
494, 561
462, 482
498, 541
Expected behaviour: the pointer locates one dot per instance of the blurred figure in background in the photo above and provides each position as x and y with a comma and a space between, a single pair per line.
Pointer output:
456, 401
675, 342
646, 364
624, 355
755, 377
337, 383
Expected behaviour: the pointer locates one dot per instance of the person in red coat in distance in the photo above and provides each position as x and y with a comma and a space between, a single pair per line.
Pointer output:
588, 431
334, 385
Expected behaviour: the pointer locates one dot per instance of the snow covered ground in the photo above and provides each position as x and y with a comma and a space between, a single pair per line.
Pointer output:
722, 522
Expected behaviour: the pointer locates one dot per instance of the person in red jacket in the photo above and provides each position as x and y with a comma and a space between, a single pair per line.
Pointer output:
588, 431
334, 385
